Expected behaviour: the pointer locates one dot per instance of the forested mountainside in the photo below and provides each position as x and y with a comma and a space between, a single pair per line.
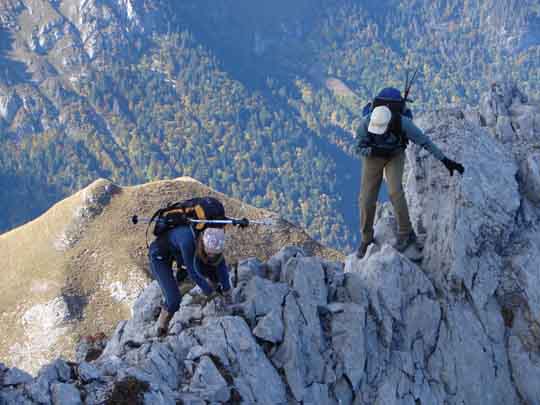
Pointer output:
257, 99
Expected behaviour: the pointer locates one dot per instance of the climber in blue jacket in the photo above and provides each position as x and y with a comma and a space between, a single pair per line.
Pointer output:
201, 253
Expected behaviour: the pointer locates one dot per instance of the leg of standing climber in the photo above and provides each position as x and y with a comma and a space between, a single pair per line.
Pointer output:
393, 173
372, 175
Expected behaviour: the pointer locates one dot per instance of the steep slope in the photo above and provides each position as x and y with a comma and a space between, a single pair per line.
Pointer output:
461, 327
77, 269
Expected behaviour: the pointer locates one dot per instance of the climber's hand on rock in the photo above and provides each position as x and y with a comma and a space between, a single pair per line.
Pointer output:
452, 165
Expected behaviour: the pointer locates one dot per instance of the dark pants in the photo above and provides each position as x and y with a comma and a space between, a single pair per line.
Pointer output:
161, 260
373, 169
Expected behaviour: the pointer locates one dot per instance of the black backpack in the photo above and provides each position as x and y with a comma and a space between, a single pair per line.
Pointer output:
178, 214
391, 98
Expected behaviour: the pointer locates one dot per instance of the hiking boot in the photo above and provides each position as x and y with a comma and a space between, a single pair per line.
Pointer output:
362, 249
163, 321
403, 242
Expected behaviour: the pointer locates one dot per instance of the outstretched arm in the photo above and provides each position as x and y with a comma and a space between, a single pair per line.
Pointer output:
416, 135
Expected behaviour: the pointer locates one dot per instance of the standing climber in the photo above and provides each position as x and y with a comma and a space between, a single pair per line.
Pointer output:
382, 139
194, 246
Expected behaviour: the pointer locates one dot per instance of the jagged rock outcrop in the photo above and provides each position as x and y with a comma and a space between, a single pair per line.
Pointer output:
460, 327
9, 104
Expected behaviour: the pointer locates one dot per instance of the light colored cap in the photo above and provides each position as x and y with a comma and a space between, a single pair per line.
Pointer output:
214, 240
380, 118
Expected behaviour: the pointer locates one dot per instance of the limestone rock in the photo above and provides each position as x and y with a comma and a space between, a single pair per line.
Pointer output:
65, 394
58, 370
280, 259
530, 177
15, 376
264, 296
270, 327
209, 383
88, 372
230, 340
249, 268
9, 105
136, 330
301, 353
467, 217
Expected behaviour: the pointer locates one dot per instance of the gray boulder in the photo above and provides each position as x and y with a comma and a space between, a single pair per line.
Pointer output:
280, 259
270, 327
58, 370
348, 340
208, 383
39, 391
249, 268
230, 340
301, 353
10, 395
15, 376
335, 278
9, 105
468, 218
185, 317
88, 372
530, 177
65, 394
141, 326
385, 224
263, 296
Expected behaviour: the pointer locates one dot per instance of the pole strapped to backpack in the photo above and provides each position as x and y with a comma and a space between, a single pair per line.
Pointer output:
242, 222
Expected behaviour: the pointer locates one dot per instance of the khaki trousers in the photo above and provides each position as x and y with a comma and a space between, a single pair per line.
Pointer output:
373, 169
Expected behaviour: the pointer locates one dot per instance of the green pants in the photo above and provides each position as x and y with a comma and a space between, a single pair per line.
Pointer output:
373, 169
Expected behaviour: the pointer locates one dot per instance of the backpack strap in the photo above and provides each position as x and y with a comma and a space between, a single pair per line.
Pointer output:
159, 213
201, 214
152, 218
397, 129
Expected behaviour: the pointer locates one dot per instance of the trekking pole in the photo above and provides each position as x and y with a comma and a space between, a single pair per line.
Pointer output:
135, 219
234, 221
408, 85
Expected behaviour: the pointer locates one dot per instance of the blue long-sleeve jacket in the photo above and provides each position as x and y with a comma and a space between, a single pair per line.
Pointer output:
182, 238
415, 134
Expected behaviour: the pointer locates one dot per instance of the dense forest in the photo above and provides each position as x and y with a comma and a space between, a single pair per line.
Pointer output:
258, 100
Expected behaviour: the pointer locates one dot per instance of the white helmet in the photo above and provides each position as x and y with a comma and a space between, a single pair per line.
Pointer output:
214, 240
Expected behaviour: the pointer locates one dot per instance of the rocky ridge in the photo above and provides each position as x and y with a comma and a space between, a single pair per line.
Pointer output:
77, 269
461, 327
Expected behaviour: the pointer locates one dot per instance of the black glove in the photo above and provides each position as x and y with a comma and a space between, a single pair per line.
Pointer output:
242, 223
452, 165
